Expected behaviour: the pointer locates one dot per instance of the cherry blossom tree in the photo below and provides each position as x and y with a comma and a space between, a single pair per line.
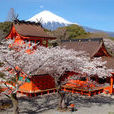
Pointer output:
53, 60
56, 61
14, 59
77, 62
109, 44
96, 67
17, 61
61, 60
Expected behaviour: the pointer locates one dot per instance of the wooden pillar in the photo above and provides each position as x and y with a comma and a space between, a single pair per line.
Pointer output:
34, 94
41, 93
21, 93
64, 89
30, 94
35, 45
81, 92
48, 92
99, 91
41, 42
111, 84
89, 94
29, 43
87, 78
54, 91
27, 94
72, 90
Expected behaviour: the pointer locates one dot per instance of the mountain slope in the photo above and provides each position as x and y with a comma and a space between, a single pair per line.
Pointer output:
88, 29
50, 20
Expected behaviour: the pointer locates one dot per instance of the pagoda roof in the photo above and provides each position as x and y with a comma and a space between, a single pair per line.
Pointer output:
30, 29
93, 46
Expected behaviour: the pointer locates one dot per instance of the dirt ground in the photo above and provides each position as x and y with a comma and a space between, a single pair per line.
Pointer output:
47, 104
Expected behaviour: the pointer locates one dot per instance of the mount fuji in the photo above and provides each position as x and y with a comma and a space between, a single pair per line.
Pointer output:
49, 20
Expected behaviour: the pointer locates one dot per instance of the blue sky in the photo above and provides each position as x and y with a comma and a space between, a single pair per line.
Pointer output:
98, 14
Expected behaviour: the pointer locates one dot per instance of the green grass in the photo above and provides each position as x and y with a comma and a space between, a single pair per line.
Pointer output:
112, 38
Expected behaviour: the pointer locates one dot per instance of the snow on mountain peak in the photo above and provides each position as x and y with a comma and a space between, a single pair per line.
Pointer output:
47, 16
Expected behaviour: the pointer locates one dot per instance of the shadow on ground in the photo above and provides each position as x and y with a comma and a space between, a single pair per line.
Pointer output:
38, 105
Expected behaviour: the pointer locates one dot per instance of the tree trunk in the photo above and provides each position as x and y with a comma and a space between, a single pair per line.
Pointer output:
62, 104
15, 103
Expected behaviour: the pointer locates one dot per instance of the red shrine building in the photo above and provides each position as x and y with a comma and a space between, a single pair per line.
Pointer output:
22, 31
43, 83
29, 32
95, 48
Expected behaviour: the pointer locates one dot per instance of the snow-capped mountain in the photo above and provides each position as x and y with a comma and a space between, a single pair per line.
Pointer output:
49, 20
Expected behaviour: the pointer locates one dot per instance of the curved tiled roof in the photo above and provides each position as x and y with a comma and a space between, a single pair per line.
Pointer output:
91, 46
110, 62
29, 29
